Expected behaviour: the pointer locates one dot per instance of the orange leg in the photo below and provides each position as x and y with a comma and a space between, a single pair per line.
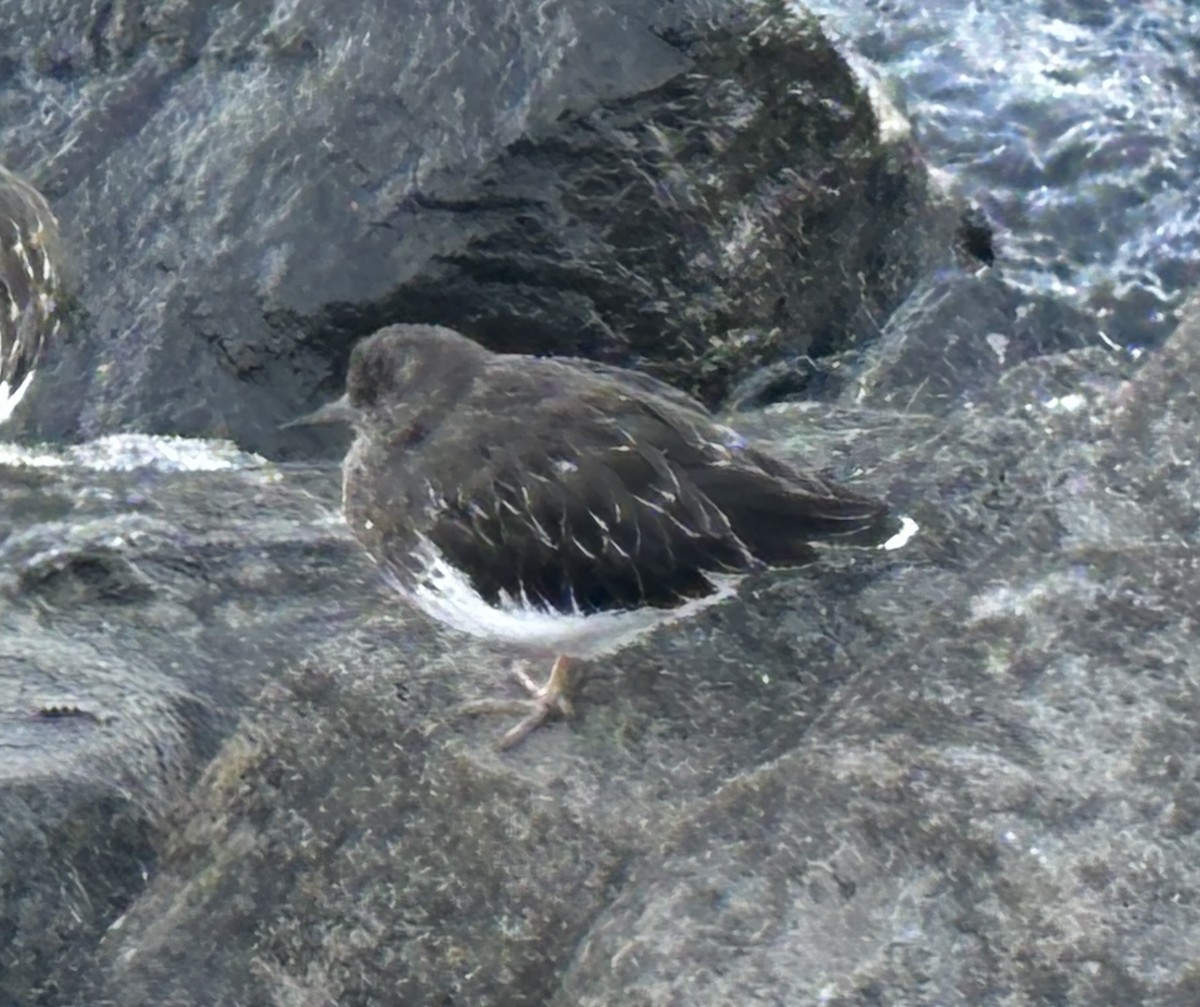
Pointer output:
545, 701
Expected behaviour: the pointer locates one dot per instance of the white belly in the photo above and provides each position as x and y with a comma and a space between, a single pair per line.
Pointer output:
444, 594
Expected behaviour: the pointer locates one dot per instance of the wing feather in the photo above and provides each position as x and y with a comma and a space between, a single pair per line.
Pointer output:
606, 495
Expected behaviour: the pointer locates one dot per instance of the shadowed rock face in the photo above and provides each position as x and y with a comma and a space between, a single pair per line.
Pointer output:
246, 196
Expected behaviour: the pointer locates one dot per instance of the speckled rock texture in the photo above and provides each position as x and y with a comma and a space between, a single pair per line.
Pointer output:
140, 612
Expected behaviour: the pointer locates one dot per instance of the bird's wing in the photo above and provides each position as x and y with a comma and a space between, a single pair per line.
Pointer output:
589, 505
641, 384
28, 281
774, 508
605, 495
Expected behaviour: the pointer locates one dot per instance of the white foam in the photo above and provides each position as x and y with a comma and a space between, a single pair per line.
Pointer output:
128, 452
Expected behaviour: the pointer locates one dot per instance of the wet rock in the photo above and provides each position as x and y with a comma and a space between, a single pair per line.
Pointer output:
697, 188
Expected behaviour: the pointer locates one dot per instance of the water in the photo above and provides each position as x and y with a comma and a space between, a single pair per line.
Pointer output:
131, 452
1074, 123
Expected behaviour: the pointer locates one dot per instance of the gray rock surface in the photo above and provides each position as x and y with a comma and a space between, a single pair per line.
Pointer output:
961, 774
140, 610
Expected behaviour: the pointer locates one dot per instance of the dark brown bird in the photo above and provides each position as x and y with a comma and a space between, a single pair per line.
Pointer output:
560, 505
30, 285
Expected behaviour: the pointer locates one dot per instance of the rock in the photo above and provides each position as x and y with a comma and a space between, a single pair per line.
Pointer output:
960, 772
147, 593
696, 187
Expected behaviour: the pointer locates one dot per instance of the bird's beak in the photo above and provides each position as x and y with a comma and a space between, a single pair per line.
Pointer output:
337, 411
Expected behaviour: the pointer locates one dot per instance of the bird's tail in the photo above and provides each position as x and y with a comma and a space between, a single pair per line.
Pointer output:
777, 513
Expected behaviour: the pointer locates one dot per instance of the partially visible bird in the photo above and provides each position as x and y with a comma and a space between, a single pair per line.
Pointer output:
30, 285
560, 505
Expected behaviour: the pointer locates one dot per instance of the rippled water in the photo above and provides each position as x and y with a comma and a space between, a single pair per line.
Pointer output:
1074, 123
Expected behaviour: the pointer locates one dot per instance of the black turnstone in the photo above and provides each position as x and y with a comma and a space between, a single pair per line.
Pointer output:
29, 285
560, 505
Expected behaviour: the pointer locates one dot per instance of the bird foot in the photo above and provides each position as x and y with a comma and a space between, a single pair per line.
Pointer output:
545, 702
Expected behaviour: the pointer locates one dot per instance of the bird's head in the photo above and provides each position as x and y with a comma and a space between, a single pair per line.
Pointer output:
402, 372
